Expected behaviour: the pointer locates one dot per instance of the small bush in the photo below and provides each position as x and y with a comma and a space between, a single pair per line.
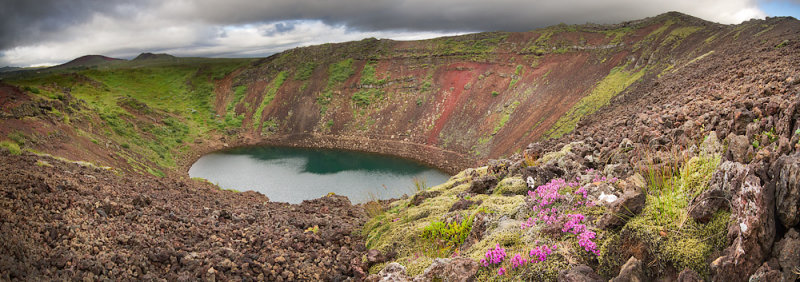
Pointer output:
17, 137
495, 93
12, 147
447, 236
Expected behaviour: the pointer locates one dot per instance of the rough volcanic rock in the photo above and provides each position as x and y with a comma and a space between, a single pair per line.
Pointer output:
718, 195
752, 228
688, 275
483, 184
628, 205
67, 221
541, 174
703, 207
375, 257
787, 251
579, 273
787, 189
499, 168
631, 271
421, 196
463, 204
711, 145
392, 272
445, 269
480, 223
768, 272
739, 149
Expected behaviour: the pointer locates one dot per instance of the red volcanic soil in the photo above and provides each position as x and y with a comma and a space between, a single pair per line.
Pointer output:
452, 80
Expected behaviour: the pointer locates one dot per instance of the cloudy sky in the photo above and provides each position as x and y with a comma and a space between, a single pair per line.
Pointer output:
48, 32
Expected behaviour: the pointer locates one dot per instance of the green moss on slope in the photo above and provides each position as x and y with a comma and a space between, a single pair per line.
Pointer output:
614, 83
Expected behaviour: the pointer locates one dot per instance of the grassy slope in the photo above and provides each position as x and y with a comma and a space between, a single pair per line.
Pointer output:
150, 111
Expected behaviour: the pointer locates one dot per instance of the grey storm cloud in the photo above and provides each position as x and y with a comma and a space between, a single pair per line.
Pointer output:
51, 31
26, 22
443, 15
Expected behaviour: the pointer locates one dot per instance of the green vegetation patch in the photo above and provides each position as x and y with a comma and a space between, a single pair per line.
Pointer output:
666, 229
369, 77
304, 71
506, 115
614, 83
12, 147
151, 108
271, 90
340, 71
366, 97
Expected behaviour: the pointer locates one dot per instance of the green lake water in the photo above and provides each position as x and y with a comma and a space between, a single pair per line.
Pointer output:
292, 175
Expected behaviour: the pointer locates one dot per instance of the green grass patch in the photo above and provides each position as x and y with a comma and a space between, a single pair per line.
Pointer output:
12, 147
665, 227
366, 97
506, 115
368, 75
614, 83
304, 71
271, 90
339, 72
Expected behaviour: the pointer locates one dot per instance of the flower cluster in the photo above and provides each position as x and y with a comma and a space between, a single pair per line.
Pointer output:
573, 224
497, 255
518, 261
494, 256
585, 241
582, 191
540, 253
547, 212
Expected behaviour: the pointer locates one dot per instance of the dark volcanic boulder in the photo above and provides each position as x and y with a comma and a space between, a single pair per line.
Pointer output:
688, 275
579, 273
393, 272
751, 231
499, 168
786, 172
702, 207
631, 271
541, 174
768, 272
421, 196
739, 149
455, 269
463, 204
788, 252
483, 184
628, 205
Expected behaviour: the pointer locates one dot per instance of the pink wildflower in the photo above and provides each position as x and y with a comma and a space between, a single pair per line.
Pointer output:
518, 261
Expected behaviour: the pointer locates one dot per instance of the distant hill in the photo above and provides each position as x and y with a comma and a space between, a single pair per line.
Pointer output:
8, 69
151, 56
86, 61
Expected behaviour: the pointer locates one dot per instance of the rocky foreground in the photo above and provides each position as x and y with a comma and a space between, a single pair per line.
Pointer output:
68, 221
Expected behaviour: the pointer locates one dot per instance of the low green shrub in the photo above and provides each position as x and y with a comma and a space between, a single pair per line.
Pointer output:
447, 236
12, 147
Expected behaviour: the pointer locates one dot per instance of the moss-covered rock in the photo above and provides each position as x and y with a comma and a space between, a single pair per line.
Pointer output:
511, 185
